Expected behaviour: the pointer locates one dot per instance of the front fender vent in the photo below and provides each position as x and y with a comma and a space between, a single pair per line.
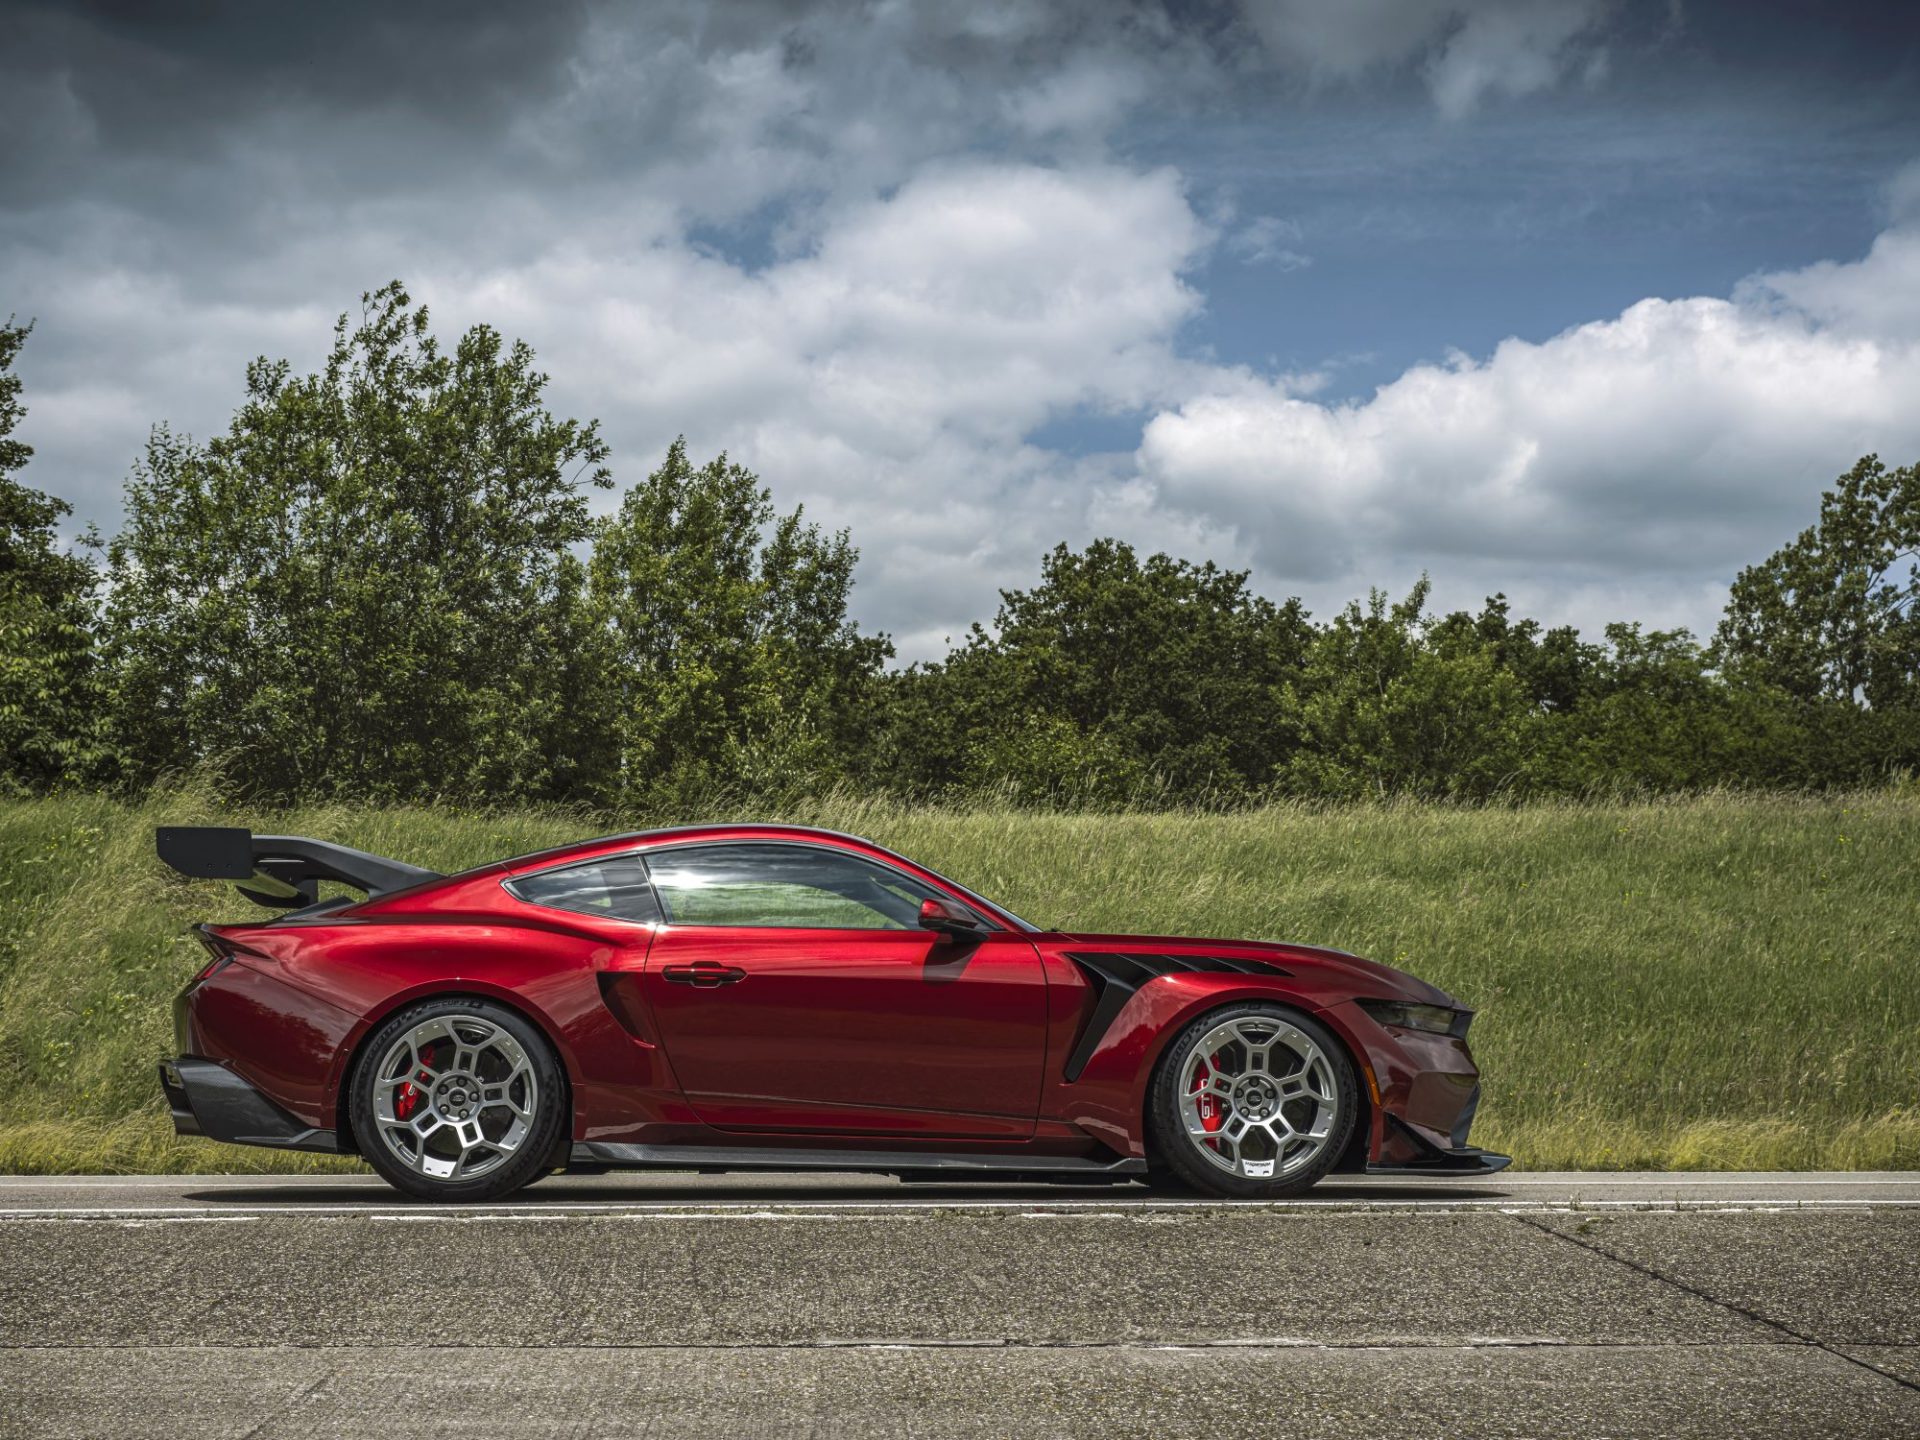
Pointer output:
1115, 976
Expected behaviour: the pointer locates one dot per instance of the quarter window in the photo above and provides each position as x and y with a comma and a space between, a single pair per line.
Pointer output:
784, 887
615, 887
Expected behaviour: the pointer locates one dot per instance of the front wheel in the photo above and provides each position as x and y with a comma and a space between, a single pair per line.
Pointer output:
1252, 1102
457, 1099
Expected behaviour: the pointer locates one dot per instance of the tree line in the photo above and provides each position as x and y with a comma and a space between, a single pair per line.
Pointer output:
385, 582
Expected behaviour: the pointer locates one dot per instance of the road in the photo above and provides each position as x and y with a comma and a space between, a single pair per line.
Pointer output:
671, 1305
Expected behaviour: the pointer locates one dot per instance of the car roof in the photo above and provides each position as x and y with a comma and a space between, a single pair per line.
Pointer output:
737, 830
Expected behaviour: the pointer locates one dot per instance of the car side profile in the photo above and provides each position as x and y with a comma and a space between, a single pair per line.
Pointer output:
773, 997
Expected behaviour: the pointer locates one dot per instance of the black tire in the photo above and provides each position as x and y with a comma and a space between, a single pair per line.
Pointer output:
1167, 1137
529, 1159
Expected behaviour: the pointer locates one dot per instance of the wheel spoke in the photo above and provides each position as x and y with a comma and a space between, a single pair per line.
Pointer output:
443, 1059
1238, 1081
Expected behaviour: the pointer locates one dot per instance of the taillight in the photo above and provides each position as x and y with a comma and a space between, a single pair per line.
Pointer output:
210, 969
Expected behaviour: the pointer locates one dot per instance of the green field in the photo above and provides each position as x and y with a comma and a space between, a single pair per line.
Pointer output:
1714, 983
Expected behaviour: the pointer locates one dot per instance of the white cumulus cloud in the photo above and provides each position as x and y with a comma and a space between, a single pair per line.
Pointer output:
1649, 455
889, 376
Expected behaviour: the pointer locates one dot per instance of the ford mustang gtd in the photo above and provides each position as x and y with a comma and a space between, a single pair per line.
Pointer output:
766, 997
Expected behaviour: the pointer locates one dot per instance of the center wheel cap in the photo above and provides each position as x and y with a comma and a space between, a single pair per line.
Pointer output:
1256, 1097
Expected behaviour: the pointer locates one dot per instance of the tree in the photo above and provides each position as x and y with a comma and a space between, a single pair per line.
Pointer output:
364, 587
1111, 677
1653, 715
1552, 666
49, 702
729, 656
1833, 614
1381, 709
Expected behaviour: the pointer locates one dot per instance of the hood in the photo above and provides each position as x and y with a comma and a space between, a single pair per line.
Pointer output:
1368, 974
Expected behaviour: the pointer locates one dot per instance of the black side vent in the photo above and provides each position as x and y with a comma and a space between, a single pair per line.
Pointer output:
1115, 977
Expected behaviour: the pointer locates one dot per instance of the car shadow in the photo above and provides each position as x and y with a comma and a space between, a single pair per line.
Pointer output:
1379, 1194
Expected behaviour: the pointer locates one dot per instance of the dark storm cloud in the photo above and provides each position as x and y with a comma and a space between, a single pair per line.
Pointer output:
153, 73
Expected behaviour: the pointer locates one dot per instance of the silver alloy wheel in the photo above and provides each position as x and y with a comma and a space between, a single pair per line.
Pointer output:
455, 1097
1258, 1098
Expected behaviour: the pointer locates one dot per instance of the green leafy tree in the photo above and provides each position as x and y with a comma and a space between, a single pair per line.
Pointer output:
1112, 678
1653, 715
1834, 614
723, 628
1380, 709
1552, 666
364, 588
50, 727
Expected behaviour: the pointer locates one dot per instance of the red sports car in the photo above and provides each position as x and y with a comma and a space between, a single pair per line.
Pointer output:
767, 997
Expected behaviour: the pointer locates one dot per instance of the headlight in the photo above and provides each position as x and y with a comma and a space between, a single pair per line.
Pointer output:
1434, 1019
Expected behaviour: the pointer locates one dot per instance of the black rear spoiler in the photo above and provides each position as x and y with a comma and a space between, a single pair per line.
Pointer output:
279, 871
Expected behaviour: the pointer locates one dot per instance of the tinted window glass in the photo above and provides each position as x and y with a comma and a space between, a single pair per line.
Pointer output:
784, 886
616, 887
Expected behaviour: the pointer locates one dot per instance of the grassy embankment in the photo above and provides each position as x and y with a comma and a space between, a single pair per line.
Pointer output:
1721, 982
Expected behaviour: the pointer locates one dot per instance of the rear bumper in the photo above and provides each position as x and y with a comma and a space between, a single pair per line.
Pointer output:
208, 1099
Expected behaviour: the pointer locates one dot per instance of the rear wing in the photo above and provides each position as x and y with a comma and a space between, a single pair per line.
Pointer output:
279, 871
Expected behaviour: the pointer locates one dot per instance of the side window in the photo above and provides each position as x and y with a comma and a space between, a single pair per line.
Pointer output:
615, 887
784, 887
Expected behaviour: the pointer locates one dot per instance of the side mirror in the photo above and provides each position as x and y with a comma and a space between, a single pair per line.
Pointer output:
948, 920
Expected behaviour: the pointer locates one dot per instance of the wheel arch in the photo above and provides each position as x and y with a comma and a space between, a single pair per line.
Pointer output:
1365, 1086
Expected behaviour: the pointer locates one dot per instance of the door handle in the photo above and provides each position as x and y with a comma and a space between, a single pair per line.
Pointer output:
703, 974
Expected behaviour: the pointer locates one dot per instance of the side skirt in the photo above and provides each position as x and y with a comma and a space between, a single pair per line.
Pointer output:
886, 1162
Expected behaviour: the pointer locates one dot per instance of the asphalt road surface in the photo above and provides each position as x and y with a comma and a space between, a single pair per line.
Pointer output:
670, 1305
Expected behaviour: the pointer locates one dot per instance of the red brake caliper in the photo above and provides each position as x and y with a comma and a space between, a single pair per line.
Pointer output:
1208, 1105
410, 1097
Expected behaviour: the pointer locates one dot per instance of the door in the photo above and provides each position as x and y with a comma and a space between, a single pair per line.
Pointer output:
795, 992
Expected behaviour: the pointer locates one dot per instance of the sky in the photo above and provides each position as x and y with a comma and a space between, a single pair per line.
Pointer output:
1581, 301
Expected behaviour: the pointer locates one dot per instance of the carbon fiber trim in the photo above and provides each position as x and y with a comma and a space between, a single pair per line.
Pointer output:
886, 1162
1115, 976
208, 1099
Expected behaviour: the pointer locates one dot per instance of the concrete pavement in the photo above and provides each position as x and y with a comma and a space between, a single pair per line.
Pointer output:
672, 1305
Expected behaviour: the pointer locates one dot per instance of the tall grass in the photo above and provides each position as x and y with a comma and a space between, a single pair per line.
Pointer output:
1715, 982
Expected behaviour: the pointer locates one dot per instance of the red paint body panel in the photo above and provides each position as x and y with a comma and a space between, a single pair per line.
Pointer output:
867, 1032
900, 1038
280, 1037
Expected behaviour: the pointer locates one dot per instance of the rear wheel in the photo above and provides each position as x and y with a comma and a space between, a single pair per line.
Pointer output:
457, 1100
1251, 1101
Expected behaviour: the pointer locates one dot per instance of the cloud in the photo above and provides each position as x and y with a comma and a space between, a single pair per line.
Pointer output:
1269, 240
1468, 50
890, 253
889, 377
1672, 444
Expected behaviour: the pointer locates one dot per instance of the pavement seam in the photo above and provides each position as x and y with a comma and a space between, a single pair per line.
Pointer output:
1593, 1247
